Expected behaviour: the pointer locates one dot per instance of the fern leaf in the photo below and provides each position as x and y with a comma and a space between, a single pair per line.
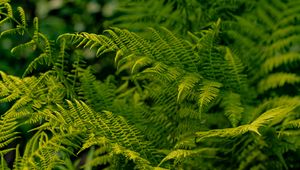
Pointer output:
10, 32
9, 10
277, 80
292, 124
233, 108
262, 120
235, 68
43, 59
285, 59
181, 154
282, 44
208, 92
223, 133
269, 116
141, 62
36, 29
186, 85
285, 31
163, 71
22, 16
29, 44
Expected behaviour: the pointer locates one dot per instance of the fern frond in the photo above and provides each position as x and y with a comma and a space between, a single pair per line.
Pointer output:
292, 124
111, 127
268, 116
234, 75
262, 120
139, 63
141, 14
208, 92
285, 59
276, 80
223, 133
180, 154
99, 95
10, 86
285, 31
43, 59
22, 16
270, 40
9, 10
233, 108
30, 44
10, 32
282, 44
186, 85
44, 152
163, 71
7, 131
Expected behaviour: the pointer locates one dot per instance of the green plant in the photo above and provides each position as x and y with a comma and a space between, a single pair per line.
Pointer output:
268, 40
173, 102
137, 15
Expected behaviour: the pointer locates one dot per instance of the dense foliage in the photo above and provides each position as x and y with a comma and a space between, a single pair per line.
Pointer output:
182, 84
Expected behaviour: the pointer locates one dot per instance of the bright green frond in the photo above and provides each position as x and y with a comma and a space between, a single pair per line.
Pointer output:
208, 92
276, 80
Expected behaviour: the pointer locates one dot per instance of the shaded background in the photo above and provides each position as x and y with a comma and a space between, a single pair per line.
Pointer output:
56, 17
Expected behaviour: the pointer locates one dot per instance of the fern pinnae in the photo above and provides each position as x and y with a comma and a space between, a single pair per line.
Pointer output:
23, 101
289, 19
47, 46
181, 49
8, 131
22, 16
23, 46
295, 124
236, 68
10, 32
76, 115
289, 30
276, 80
119, 54
269, 116
293, 9
11, 85
282, 44
120, 44
141, 62
264, 17
9, 10
127, 39
35, 36
208, 92
43, 59
233, 108
187, 83
284, 59
96, 41
165, 50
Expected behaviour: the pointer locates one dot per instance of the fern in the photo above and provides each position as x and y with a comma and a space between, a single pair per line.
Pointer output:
137, 15
276, 34
208, 93
277, 80
233, 108
174, 100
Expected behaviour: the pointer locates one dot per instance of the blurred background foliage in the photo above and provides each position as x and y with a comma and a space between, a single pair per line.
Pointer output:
57, 17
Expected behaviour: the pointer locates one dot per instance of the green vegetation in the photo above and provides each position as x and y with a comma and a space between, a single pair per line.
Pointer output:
181, 84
